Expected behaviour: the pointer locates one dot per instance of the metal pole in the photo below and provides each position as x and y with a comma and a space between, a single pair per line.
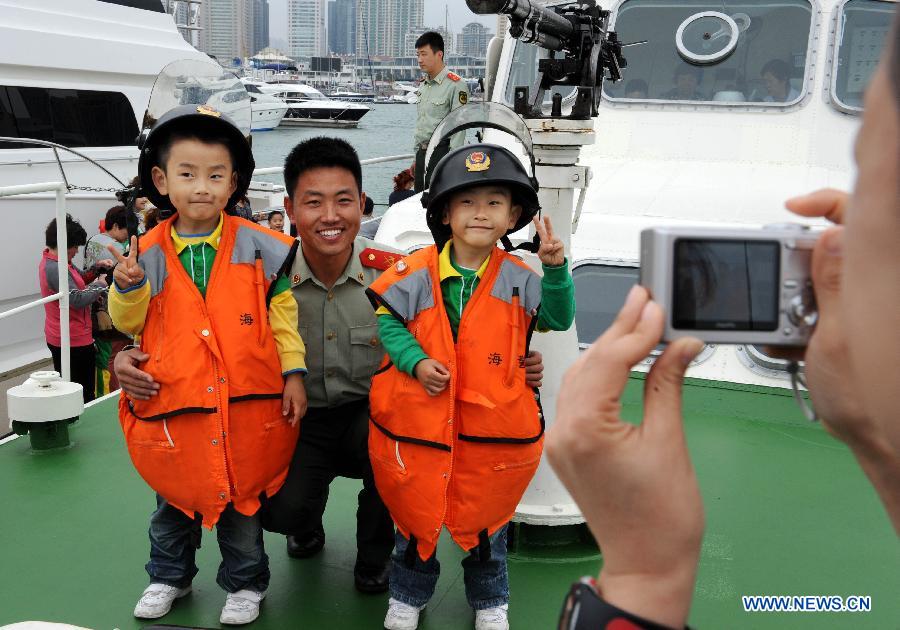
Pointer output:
62, 250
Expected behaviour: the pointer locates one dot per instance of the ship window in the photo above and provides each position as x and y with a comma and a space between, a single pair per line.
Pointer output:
861, 35
524, 72
600, 292
72, 118
723, 53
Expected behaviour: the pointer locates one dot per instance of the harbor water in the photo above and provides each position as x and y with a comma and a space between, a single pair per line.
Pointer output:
386, 130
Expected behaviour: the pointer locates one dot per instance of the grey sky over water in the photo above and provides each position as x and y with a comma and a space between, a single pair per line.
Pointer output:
460, 15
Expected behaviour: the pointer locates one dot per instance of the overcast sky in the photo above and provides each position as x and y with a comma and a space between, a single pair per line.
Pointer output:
460, 15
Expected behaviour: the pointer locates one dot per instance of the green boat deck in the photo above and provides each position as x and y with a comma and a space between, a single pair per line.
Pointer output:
788, 513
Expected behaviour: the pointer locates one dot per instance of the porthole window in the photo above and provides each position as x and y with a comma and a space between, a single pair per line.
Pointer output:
707, 37
756, 359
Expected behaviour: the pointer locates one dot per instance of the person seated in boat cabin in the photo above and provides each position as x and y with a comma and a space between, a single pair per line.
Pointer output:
636, 485
687, 82
457, 317
212, 306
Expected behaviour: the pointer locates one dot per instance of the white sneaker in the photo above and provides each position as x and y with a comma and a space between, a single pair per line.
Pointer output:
492, 618
156, 600
241, 607
401, 616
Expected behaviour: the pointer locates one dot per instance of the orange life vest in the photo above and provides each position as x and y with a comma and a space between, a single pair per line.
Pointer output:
461, 459
214, 434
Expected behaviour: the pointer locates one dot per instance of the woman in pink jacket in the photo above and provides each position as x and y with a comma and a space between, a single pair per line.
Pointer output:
85, 288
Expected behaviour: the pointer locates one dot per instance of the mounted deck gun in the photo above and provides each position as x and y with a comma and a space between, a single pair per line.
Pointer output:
579, 31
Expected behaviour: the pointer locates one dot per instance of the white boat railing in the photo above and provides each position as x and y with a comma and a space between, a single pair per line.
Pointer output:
62, 246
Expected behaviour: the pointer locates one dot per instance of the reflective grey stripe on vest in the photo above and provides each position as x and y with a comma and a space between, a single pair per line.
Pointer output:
411, 295
248, 241
153, 262
528, 282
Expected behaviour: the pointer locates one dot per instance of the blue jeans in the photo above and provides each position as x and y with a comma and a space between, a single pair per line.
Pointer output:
175, 538
487, 582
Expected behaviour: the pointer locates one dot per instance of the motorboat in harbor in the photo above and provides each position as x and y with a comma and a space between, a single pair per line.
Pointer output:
267, 109
308, 106
350, 96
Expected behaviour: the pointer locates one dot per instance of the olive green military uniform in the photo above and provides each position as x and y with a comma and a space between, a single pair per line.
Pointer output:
437, 98
340, 330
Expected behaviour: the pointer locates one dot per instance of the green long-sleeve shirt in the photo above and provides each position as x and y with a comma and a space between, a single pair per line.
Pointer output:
557, 310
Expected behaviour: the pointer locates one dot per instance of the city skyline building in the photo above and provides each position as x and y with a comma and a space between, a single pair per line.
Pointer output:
342, 27
260, 25
473, 41
382, 26
227, 29
306, 28
413, 35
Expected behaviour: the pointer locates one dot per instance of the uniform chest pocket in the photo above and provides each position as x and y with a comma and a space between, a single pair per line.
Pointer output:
440, 103
365, 351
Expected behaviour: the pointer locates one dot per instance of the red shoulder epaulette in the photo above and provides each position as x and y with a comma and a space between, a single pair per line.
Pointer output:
378, 259
454, 77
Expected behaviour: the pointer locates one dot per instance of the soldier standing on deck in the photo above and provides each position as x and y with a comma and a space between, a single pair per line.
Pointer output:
440, 93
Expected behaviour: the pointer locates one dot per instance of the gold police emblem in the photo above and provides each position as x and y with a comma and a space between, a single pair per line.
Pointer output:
206, 110
478, 161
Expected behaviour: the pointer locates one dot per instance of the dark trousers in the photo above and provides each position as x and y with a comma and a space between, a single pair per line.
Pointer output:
423, 178
333, 442
175, 538
84, 371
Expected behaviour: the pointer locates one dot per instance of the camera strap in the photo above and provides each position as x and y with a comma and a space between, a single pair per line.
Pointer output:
798, 380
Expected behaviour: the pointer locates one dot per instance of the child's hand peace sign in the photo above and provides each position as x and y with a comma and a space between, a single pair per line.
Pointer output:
551, 251
128, 272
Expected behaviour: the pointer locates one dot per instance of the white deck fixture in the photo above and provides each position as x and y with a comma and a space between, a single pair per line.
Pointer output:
557, 146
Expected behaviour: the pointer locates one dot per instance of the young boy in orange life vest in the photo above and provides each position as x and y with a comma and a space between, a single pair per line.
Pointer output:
457, 435
208, 298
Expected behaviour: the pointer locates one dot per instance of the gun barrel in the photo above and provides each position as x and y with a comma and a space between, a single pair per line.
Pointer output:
550, 28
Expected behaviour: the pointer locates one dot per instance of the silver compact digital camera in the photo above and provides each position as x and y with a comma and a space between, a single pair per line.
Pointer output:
732, 285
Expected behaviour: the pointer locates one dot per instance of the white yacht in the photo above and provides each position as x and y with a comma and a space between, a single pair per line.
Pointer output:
307, 106
267, 109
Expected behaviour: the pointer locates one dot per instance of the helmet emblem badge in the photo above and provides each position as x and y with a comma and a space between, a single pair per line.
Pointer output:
478, 161
208, 111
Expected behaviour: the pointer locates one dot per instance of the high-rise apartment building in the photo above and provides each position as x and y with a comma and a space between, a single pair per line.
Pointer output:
227, 28
382, 26
260, 25
186, 15
342, 27
306, 28
413, 35
473, 40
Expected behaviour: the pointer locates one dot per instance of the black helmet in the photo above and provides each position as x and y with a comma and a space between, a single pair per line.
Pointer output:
478, 165
202, 121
